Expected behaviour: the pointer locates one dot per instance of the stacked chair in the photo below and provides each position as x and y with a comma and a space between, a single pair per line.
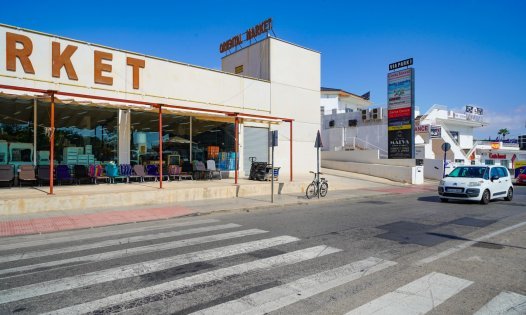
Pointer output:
63, 174
7, 175
81, 173
26, 173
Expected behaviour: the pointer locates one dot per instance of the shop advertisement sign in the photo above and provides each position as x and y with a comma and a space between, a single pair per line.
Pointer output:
422, 129
435, 131
400, 131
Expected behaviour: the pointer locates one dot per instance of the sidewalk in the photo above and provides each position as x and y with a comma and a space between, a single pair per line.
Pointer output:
354, 186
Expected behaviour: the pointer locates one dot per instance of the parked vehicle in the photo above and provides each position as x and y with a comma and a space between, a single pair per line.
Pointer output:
476, 183
521, 179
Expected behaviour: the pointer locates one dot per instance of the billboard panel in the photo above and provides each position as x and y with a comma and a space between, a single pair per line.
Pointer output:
400, 125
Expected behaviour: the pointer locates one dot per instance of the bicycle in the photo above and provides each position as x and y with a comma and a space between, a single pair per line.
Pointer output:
322, 184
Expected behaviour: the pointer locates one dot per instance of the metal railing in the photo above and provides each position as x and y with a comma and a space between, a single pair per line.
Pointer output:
354, 143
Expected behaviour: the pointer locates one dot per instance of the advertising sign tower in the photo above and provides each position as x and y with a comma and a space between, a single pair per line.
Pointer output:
400, 109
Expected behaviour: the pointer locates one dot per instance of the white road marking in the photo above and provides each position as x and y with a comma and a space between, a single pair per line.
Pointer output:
133, 270
417, 297
135, 250
275, 298
467, 244
506, 303
17, 243
215, 275
113, 242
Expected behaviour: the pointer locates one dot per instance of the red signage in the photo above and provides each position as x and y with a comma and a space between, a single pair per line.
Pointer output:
497, 156
399, 112
250, 34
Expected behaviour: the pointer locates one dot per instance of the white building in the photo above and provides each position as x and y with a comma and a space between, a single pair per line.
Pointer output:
367, 129
109, 104
339, 101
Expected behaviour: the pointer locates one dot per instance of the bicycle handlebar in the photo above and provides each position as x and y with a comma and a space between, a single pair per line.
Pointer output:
315, 172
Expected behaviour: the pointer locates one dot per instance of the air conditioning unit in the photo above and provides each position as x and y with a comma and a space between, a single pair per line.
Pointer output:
376, 113
365, 114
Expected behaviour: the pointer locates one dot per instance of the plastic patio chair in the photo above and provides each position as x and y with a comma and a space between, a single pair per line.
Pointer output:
63, 174
26, 173
211, 168
80, 172
43, 174
7, 175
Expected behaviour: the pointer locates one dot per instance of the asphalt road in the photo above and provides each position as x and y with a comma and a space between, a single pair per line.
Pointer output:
405, 254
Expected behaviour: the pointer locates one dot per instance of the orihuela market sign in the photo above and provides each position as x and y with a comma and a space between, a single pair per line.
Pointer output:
251, 33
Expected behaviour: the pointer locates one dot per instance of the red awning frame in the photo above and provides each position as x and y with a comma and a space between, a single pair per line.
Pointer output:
236, 115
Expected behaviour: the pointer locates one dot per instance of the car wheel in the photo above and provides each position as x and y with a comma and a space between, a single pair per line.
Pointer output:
444, 200
485, 197
509, 196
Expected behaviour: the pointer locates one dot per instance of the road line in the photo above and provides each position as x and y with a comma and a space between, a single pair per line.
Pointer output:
417, 297
135, 250
215, 275
96, 234
133, 270
275, 298
113, 242
467, 244
506, 303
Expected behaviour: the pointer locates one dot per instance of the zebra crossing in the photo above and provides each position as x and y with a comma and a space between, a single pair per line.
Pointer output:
125, 259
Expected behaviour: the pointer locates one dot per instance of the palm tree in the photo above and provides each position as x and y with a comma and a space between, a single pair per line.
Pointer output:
503, 132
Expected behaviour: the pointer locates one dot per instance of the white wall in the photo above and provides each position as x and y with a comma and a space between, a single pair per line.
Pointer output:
295, 84
161, 81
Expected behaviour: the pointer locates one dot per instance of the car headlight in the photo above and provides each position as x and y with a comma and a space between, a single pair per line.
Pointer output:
474, 184
442, 183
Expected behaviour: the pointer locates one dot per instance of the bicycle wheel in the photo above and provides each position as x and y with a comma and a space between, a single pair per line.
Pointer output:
311, 191
324, 187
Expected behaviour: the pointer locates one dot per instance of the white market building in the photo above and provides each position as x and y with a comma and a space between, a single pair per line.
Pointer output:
125, 107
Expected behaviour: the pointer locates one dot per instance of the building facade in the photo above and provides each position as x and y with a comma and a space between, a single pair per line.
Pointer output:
84, 103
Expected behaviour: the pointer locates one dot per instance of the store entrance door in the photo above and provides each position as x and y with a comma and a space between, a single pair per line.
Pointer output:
255, 144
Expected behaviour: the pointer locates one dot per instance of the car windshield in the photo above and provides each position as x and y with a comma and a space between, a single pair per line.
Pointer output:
471, 172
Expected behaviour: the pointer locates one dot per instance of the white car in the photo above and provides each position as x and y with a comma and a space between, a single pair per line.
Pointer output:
477, 183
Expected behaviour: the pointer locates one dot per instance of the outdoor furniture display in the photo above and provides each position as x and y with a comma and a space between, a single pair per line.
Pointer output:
211, 168
127, 170
43, 174
153, 170
26, 173
139, 171
80, 172
96, 172
112, 171
63, 174
175, 171
200, 171
7, 175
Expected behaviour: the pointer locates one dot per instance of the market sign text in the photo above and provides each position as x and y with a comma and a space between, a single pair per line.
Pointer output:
250, 34
20, 47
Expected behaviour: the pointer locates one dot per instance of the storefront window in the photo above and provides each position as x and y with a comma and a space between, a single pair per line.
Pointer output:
83, 134
489, 162
145, 138
204, 140
16, 131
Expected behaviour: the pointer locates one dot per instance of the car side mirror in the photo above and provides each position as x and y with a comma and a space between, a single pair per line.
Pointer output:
494, 177
446, 175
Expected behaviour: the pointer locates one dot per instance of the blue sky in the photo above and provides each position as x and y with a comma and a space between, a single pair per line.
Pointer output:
465, 52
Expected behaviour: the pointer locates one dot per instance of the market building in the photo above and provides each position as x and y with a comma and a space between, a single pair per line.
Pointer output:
68, 102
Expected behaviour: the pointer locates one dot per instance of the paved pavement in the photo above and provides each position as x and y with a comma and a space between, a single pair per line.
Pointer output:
393, 254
